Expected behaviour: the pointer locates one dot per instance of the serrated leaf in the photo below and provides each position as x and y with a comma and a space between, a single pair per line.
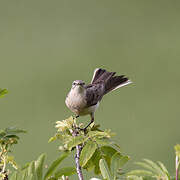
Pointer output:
87, 152
75, 141
105, 170
67, 171
55, 164
39, 163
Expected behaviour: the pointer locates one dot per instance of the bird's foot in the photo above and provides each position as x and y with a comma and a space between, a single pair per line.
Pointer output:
82, 129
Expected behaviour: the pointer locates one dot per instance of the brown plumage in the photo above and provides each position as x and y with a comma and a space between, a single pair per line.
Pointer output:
84, 99
110, 81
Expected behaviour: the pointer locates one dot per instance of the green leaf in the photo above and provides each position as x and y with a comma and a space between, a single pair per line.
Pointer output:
108, 152
10, 160
105, 170
94, 162
52, 178
101, 134
31, 169
156, 168
177, 150
12, 136
96, 158
14, 176
24, 174
67, 171
115, 163
55, 164
14, 130
52, 139
39, 166
89, 165
163, 167
75, 141
87, 152
134, 178
3, 92
123, 161
102, 141
146, 166
2, 133
140, 173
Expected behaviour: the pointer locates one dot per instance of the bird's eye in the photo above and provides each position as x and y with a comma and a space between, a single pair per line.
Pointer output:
73, 83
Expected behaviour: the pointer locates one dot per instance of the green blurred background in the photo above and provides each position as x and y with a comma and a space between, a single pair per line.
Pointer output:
45, 45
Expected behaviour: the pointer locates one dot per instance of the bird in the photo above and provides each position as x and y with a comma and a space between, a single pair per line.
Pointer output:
84, 99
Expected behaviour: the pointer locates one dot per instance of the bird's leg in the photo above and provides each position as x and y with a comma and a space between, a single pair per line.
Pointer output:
92, 120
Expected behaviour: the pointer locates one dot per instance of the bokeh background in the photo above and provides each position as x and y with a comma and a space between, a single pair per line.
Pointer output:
45, 45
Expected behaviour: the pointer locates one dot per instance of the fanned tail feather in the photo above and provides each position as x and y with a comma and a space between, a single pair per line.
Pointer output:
111, 82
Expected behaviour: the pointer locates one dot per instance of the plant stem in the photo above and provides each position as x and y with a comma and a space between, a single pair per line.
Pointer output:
177, 167
77, 156
78, 167
4, 166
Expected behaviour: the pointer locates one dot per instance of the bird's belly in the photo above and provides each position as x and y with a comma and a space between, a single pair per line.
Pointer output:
75, 102
88, 110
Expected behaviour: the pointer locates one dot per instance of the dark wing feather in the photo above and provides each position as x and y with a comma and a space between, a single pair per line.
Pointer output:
94, 93
101, 75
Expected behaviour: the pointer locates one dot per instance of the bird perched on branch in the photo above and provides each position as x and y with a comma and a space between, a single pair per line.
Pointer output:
84, 99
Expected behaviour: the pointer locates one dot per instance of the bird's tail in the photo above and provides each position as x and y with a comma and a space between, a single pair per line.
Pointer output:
111, 82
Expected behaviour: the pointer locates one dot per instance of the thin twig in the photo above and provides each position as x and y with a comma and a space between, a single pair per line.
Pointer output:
177, 167
77, 156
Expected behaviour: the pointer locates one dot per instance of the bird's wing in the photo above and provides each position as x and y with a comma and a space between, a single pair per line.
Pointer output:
94, 93
101, 75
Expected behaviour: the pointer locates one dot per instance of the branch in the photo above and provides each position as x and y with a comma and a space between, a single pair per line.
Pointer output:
77, 156
177, 167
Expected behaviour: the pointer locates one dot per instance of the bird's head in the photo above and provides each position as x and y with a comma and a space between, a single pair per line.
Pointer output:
79, 84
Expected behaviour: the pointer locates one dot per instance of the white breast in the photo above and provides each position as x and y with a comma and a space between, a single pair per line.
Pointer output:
76, 101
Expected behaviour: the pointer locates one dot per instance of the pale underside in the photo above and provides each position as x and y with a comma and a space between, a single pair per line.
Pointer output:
77, 103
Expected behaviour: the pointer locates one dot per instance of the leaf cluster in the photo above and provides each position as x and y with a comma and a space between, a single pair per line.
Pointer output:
151, 170
99, 153
36, 170
8, 137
